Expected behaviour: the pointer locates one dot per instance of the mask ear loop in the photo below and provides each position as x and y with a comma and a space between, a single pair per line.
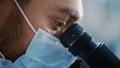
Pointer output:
24, 15
3, 57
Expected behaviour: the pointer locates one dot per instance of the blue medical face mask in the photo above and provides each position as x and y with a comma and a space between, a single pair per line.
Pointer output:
5, 63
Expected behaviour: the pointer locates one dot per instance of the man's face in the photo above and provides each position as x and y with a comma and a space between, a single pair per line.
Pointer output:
54, 16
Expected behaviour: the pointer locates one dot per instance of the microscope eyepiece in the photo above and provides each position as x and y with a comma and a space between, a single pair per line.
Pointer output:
81, 44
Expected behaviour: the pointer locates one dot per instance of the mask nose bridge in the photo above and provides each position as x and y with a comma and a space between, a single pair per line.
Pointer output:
25, 16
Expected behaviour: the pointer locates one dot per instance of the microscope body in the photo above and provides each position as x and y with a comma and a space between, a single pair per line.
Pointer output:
82, 45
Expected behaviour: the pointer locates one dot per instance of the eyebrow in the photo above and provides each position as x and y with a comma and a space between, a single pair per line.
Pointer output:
70, 12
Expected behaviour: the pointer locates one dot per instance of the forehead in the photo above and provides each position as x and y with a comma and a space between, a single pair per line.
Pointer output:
74, 6
52, 5
65, 3
58, 2
71, 6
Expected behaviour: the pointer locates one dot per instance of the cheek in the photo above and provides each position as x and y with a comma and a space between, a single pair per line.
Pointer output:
47, 25
51, 24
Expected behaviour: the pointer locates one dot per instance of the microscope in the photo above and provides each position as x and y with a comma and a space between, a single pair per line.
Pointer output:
81, 45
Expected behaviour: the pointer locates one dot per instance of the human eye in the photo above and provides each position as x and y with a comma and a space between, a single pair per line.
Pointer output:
60, 23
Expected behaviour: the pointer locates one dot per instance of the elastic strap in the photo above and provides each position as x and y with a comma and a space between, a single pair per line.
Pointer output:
24, 15
3, 57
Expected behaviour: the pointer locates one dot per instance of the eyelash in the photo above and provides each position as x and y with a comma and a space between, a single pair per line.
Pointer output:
59, 23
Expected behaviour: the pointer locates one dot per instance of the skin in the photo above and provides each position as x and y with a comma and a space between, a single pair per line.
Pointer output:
49, 15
